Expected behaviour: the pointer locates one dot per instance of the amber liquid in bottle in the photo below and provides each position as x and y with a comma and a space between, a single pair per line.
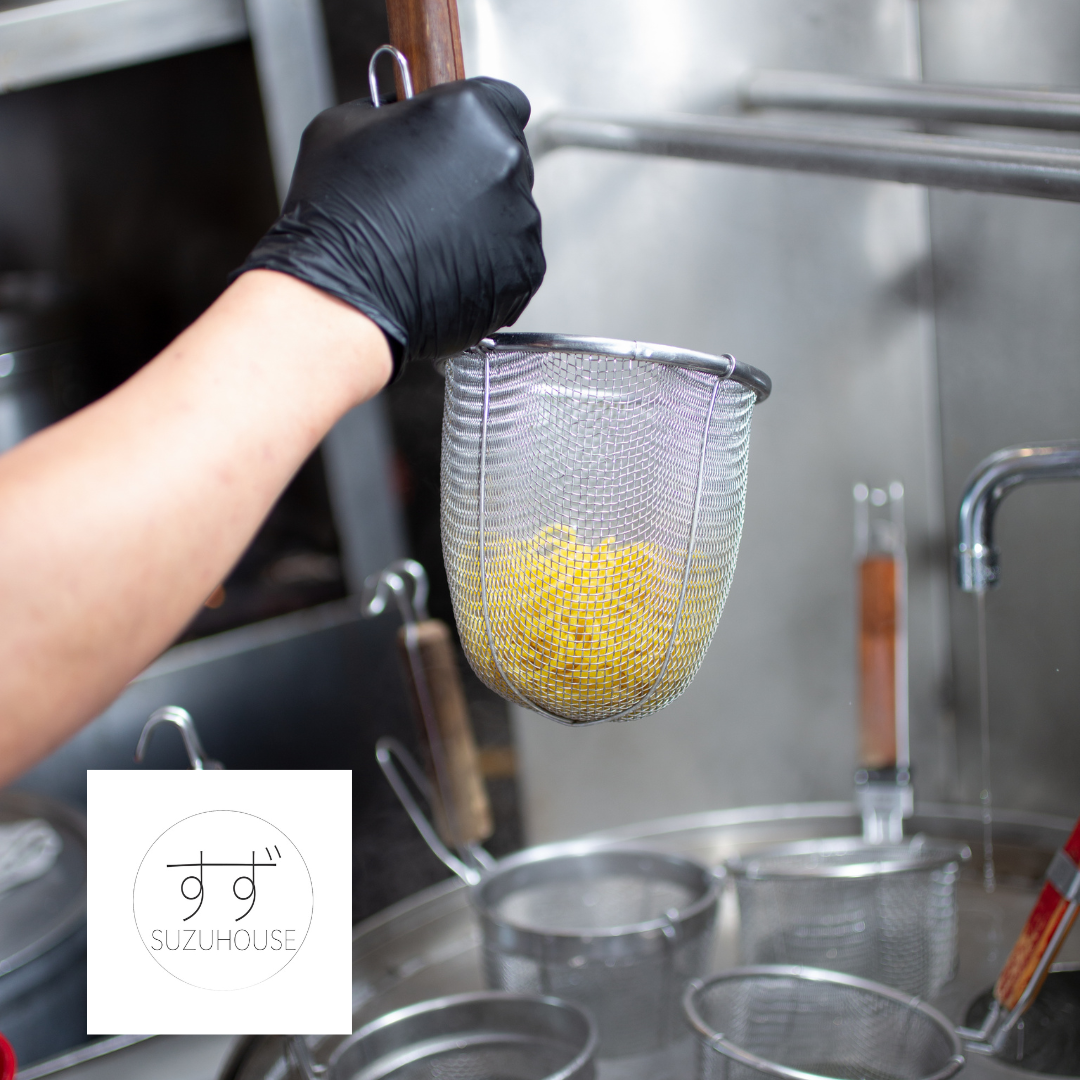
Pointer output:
877, 661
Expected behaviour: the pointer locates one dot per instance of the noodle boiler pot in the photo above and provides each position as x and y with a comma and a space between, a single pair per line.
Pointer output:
431, 944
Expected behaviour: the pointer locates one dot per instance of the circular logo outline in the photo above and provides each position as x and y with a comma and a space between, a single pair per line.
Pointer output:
135, 917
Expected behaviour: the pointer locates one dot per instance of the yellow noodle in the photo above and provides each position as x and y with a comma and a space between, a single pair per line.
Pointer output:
586, 627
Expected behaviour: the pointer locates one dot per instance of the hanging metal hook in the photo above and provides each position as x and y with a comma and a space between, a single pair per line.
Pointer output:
173, 714
403, 68
396, 580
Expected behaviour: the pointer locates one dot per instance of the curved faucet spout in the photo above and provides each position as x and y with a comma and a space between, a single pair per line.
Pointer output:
992, 480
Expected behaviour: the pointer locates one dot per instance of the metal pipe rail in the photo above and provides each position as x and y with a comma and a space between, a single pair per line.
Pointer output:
1041, 172
1003, 106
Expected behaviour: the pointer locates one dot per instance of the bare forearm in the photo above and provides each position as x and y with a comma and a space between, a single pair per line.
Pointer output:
118, 522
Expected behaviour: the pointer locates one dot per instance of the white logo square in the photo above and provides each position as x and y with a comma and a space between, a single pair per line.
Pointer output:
219, 902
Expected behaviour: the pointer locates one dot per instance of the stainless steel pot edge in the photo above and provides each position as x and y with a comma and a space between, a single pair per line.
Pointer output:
1056, 828
717, 1040
892, 859
725, 366
639, 834
81, 1055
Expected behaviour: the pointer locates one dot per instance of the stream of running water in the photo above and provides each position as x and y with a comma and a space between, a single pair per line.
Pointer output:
985, 800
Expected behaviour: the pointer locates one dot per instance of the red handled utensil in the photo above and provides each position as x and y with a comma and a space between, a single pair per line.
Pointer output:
1039, 942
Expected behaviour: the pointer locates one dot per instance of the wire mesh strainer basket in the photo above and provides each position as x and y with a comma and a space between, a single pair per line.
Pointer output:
801, 1023
592, 506
883, 912
618, 931
479, 1036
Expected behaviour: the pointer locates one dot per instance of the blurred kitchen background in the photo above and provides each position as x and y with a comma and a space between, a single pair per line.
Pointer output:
127, 195
908, 331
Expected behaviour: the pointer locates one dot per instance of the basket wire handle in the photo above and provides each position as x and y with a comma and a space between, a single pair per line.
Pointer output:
386, 749
299, 1056
413, 609
173, 714
403, 68
658, 681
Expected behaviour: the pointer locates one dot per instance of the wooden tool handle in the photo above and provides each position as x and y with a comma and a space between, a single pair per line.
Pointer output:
1045, 918
471, 810
877, 661
427, 32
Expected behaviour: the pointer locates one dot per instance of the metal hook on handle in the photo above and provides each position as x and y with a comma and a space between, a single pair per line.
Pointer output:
173, 714
386, 749
299, 1055
403, 68
392, 580
413, 609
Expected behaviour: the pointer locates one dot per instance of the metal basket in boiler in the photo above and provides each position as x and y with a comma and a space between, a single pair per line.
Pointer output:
479, 1036
592, 505
886, 912
619, 932
800, 1023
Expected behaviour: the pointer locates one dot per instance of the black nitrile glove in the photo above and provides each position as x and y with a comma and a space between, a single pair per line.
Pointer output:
420, 214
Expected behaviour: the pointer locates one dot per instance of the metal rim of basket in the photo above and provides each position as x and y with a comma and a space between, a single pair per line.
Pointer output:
407, 1012
725, 365
664, 925
893, 859
719, 1042
723, 368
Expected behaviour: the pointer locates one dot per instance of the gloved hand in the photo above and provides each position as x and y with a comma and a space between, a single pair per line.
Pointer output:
420, 214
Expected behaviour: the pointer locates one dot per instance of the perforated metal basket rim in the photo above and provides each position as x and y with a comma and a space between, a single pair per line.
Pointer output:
576, 849
718, 1042
572, 1069
931, 855
726, 366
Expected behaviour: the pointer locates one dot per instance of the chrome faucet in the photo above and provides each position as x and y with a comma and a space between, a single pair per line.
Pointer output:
992, 480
